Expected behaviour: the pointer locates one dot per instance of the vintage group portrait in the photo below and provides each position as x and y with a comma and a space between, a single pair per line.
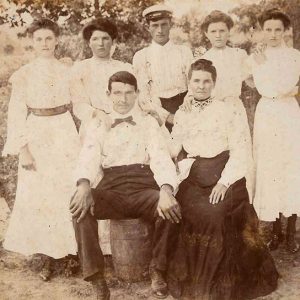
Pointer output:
149, 149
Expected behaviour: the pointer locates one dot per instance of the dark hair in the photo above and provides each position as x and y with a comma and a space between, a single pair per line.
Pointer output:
124, 77
203, 65
101, 25
216, 16
43, 23
274, 14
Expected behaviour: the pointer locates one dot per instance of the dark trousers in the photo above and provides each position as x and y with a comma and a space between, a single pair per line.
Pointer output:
124, 192
171, 105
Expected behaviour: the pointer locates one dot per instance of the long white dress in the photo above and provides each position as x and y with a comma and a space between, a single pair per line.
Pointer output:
277, 134
41, 221
232, 70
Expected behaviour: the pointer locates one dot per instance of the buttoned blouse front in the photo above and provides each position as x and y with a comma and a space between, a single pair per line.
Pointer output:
231, 70
89, 83
208, 132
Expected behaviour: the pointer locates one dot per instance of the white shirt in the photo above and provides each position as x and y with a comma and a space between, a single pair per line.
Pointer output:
89, 83
162, 72
207, 133
231, 70
126, 144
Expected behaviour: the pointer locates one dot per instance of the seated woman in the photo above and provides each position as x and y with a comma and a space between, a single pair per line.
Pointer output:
219, 254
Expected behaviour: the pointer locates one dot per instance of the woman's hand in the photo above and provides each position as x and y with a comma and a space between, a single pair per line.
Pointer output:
156, 116
26, 159
217, 193
187, 103
259, 54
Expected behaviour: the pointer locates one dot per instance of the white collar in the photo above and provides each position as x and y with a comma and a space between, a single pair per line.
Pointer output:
159, 47
133, 112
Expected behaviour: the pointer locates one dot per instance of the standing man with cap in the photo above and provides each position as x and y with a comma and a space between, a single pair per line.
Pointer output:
162, 67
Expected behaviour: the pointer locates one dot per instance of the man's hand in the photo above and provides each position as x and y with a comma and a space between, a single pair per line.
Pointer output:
156, 116
168, 208
217, 193
187, 103
102, 116
82, 201
26, 159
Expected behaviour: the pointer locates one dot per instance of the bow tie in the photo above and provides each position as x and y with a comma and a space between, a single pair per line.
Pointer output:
128, 120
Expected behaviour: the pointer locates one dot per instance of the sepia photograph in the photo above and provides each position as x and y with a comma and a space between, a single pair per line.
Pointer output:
149, 149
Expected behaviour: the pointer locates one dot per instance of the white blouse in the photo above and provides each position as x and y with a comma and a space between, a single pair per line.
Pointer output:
89, 83
278, 76
208, 132
231, 70
43, 83
126, 144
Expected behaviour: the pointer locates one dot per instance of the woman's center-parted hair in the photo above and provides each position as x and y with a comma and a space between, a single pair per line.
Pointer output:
203, 65
43, 23
216, 16
123, 77
100, 24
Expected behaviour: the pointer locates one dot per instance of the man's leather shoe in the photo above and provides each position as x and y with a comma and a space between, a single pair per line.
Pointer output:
291, 244
101, 289
275, 241
158, 284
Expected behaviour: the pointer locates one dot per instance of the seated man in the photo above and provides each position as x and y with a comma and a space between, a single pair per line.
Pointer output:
138, 181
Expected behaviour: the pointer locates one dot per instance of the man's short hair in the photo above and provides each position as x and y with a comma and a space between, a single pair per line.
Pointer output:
43, 23
216, 16
101, 25
124, 77
203, 65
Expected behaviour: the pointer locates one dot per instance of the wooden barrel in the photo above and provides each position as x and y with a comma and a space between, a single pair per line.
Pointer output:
131, 247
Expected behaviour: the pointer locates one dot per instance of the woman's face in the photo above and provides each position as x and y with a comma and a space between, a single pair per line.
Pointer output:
273, 32
101, 43
201, 84
218, 34
44, 42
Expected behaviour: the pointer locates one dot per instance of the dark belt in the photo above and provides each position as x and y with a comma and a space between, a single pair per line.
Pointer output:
46, 112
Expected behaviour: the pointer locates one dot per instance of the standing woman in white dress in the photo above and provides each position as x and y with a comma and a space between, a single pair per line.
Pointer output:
41, 131
276, 70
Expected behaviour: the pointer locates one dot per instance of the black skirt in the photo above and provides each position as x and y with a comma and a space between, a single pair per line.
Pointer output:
219, 253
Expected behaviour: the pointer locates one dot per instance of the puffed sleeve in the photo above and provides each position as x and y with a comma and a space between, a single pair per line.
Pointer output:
147, 100
178, 133
188, 58
79, 96
89, 160
17, 115
161, 163
278, 75
236, 167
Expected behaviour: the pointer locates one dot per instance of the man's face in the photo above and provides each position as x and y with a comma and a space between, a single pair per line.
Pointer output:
44, 42
218, 34
100, 43
160, 30
201, 84
123, 97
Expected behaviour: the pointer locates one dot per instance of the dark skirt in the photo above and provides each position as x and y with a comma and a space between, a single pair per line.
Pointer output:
219, 253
